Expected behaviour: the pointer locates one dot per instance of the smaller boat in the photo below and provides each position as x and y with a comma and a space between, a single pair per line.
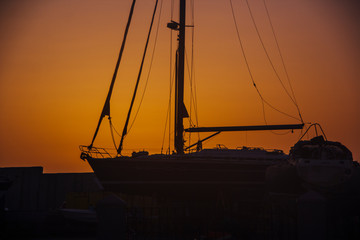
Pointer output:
317, 164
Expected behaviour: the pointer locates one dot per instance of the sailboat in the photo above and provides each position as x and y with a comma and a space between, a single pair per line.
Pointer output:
200, 173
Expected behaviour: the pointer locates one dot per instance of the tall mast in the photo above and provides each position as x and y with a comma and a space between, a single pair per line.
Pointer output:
180, 111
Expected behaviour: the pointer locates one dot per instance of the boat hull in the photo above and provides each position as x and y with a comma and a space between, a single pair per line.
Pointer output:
184, 177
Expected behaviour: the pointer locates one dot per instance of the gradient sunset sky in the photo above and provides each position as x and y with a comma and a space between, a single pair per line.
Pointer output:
57, 58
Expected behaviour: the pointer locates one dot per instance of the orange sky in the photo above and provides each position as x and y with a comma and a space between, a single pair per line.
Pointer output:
57, 59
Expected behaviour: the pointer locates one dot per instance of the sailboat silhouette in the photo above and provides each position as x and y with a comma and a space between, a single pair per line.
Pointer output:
198, 173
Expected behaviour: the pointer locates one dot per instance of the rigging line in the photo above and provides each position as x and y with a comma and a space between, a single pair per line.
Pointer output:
166, 121
189, 70
267, 54
106, 108
192, 78
192, 96
137, 81
274, 108
192, 59
191, 93
195, 104
273, 132
112, 133
193, 63
282, 59
168, 113
263, 110
191, 123
115, 130
280, 134
150, 67
273, 67
248, 66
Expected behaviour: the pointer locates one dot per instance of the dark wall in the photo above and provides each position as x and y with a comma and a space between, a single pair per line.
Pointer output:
32, 190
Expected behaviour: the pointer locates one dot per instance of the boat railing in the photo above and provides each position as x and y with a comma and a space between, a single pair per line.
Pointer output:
95, 152
270, 150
